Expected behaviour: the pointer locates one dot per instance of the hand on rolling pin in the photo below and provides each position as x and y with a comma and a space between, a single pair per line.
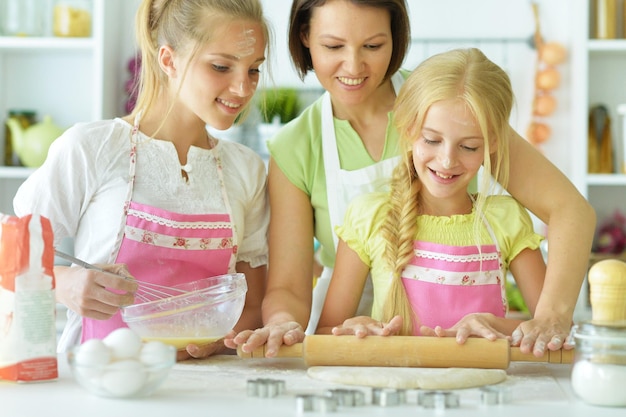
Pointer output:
483, 325
535, 335
193, 351
95, 294
273, 335
362, 326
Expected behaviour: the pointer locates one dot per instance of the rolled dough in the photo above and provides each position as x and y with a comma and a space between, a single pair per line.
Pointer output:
395, 377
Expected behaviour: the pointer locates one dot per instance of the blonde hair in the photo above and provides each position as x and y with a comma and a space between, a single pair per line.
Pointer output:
183, 24
465, 74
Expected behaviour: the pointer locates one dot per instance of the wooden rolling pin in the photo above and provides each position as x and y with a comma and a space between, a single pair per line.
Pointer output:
408, 351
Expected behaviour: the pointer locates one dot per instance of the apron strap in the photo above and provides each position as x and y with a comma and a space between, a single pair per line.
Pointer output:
220, 172
134, 134
330, 153
331, 164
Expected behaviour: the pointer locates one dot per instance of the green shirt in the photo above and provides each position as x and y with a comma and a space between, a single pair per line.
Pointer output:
297, 150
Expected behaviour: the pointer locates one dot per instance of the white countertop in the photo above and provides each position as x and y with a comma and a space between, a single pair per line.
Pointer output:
217, 387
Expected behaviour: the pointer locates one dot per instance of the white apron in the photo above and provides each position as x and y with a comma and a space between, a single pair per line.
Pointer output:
341, 187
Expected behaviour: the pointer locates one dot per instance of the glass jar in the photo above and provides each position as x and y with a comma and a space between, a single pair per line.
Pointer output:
72, 18
606, 19
22, 17
599, 371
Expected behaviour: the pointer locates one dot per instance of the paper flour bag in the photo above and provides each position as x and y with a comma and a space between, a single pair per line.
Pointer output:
27, 299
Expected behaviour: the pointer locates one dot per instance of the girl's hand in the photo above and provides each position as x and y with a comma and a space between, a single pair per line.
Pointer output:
94, 294
193, 351
273, 335
475, 324
362, 326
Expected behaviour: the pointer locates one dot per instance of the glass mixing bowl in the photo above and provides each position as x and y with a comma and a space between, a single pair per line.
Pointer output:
207, 310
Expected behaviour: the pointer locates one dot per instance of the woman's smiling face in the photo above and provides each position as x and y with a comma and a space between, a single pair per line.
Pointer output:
350, 59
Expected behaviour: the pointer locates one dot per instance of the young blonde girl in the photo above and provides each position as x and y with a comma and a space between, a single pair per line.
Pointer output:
438, 255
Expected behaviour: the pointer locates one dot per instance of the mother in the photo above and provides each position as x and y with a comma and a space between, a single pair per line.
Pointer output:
345, 144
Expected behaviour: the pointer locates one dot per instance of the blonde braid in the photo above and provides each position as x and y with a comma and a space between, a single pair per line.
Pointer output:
399, 231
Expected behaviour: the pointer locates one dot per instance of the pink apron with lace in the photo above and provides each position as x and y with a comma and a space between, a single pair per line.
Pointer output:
445, 283
168, 248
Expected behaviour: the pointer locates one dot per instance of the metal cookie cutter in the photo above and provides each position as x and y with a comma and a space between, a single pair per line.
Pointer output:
304, 402
438, 399
492, 395
265, 387
347, 397
318, 403
387, 397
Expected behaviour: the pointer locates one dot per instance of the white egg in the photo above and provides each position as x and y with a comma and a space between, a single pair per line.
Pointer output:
124, 343
156, 353
123, 378
93, 353
90, 357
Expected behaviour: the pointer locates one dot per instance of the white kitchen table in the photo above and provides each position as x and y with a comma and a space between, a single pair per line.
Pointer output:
218, 387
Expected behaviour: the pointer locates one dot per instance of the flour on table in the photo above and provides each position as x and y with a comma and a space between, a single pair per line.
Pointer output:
396, 377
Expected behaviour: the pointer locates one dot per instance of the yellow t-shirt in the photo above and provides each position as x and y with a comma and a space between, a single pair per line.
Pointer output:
510, 222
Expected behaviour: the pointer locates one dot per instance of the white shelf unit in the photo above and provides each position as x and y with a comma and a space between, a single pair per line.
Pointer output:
598, 68
70, 79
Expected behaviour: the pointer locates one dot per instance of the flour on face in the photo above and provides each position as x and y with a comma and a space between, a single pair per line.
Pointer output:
246, 43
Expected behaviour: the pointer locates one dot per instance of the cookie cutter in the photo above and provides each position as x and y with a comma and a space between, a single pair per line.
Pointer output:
347, 397
265, 387
438, 400
304, 402
494, 395
387, 397
317, 403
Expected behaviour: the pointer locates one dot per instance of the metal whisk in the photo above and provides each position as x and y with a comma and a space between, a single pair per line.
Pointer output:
146, 291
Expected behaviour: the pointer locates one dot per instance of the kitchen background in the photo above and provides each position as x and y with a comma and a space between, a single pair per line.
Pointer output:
71, 79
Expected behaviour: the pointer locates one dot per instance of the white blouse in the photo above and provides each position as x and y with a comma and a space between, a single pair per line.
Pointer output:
83, 183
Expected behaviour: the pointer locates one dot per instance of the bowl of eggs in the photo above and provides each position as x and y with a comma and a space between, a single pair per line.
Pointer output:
199, 312
121, 365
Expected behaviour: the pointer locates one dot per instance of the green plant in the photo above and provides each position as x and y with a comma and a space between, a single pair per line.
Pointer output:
282, 102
